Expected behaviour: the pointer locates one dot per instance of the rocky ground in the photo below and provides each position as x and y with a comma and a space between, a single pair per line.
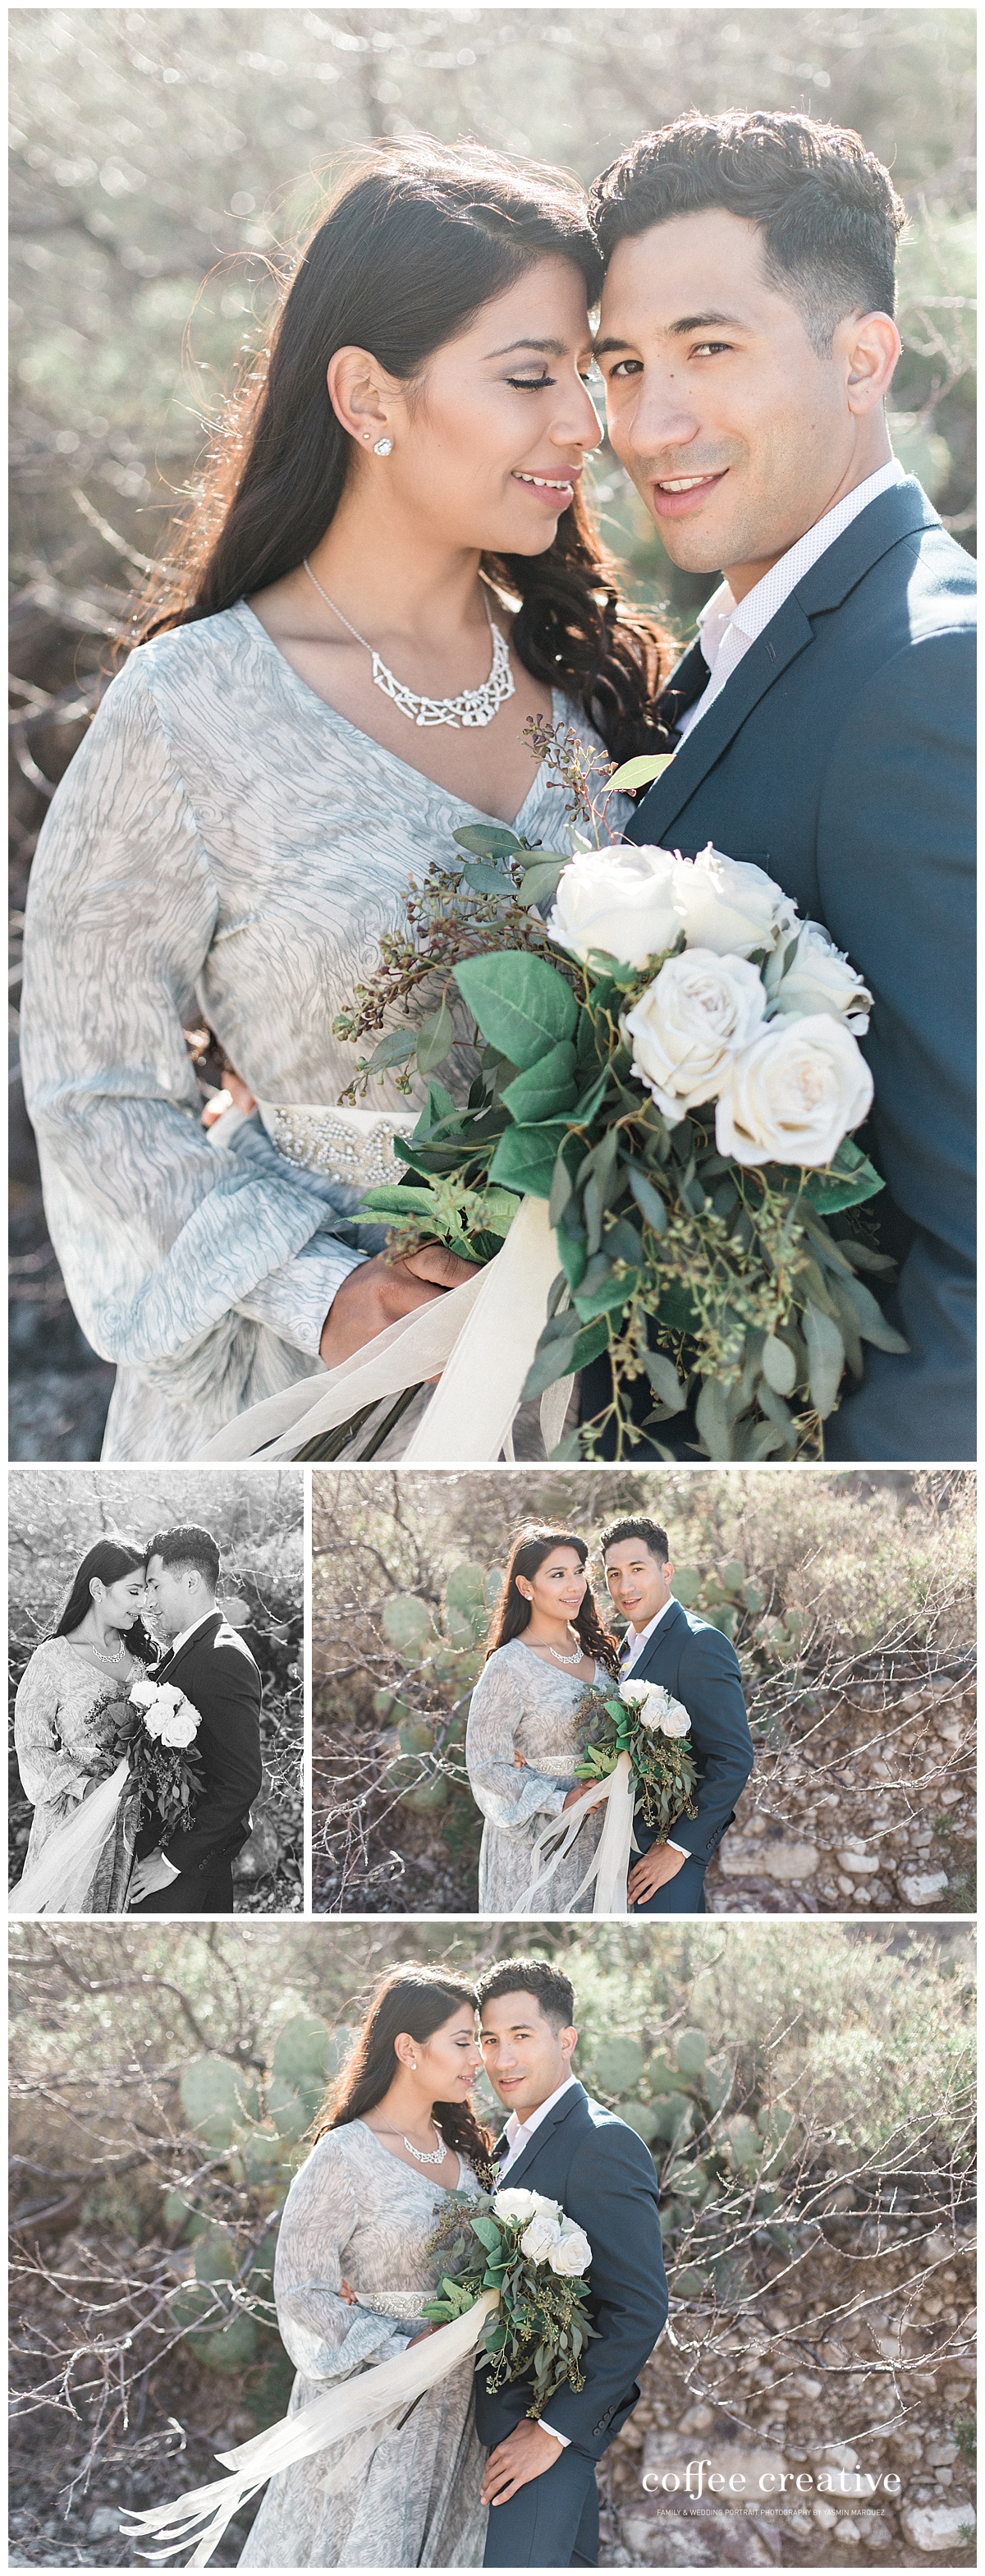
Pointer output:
812, 2371
817, 2373
871, 1806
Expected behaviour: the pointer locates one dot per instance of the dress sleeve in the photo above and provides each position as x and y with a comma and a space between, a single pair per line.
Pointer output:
325, 2337
509, 1798
160, 1235
46, 1772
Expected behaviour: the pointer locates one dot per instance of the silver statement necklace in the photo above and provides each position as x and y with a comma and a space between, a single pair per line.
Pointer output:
418, 2152
472, 707
566, 1659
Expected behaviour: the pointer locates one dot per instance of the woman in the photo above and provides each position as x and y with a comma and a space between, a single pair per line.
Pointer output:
70, 1714
353, 2269
525, 1733
388, 572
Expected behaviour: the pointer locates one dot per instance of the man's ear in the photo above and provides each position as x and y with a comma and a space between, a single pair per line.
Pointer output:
870, 348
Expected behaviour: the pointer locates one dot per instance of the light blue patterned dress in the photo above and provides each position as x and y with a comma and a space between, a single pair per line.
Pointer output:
225, 847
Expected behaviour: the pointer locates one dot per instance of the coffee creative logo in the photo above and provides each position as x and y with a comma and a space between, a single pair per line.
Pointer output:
754, 2485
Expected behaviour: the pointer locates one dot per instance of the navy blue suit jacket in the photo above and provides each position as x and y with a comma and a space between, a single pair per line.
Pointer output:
840, 758
218, 1674
698, 1666
605, 2179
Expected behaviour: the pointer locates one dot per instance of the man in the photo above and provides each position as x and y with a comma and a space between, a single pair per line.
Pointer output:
190, 1870
540, 2477
824, 720
699, 1667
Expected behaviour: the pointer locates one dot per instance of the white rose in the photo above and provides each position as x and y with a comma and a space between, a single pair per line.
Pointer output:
819, 978
656, 1708
621, 901
540, 2238
143, 1694
730, 905
518, 2205
154, 1722
181, 1728
689, 1023
572, 2254
794, 1095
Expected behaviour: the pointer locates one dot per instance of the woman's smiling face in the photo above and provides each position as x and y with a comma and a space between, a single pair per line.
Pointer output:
489, 443
559, 1586
123, 1601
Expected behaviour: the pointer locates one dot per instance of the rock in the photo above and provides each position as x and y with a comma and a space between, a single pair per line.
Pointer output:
938, 2526
824, 2514
739, 1856
925, 1890
876, 2533
943, 2455
104, 2524
862, 1864
846, 2529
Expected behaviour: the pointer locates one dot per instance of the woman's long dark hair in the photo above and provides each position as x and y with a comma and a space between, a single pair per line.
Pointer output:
417, 2000
109, 1560
419, 239
512, 1614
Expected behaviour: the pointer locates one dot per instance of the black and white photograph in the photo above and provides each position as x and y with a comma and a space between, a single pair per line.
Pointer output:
156, 1626
797, 1653
272, 2166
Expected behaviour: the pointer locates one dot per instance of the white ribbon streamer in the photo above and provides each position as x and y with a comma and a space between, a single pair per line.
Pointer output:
58, 1881
479, 1338
609, 1866
370, 2404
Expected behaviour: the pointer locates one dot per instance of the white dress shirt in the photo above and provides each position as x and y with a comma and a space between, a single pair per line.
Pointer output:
184, 1633
726, 628
636, 1639
518, 2134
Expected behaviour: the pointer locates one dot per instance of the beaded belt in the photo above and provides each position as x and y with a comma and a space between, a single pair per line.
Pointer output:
354, 1145
394, 2303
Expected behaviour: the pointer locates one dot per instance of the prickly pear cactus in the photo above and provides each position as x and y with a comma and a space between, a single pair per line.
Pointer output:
715, 2164
441, 1654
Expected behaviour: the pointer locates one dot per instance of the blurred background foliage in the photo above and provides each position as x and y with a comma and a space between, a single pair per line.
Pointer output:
256, 1517
823, 1581
802, 2098
166, 162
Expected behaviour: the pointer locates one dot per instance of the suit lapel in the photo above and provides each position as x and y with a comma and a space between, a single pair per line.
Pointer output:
896, 514
202, 1636
664, 1636
546, 2130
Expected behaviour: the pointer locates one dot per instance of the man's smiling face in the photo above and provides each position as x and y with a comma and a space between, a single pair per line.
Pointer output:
737, 434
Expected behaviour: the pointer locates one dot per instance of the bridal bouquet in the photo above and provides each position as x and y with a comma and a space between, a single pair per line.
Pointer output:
522, 2300
669, 1059
535, 2257
162, 1759
643, 1720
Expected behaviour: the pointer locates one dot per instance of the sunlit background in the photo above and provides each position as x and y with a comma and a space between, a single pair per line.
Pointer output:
164, 164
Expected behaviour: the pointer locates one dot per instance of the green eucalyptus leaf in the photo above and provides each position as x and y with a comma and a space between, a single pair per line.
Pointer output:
394, 1048
483, 878
522, 1006
665, 1381
779, 1366
545, 1089
434, 1038
487, 840
639, 772
826, 1357
872, 1323
542, 878
525, 1157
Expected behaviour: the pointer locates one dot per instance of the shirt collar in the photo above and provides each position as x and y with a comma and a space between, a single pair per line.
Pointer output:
520, 2131
637, 1637
751, 614
184, 1633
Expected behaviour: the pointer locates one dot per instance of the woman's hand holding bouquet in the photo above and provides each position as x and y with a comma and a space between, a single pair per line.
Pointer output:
670, 1060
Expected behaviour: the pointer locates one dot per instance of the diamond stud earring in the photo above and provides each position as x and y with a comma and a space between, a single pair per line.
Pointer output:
383, 447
